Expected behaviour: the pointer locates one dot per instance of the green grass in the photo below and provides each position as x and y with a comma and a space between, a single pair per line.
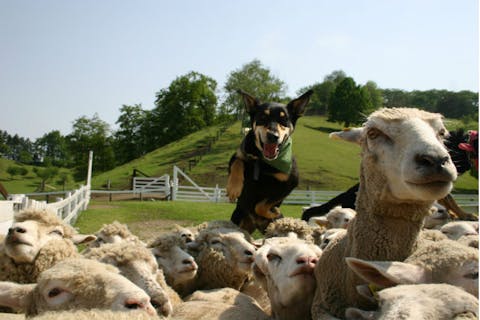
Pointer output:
100, 213
30, 182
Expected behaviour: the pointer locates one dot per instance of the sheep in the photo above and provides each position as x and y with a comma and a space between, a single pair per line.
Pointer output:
114, 232
137, 264
329, 235
223, 303
36, 241
338, 217
185, 234
443, 261
438, 217
469, 241
425, 301
404, 169
456, 229
75, 283
177, 264
223, 255
282, 227
96, 314
284, 267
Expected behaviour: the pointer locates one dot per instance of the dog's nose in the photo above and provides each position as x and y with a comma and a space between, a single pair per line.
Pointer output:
272, 137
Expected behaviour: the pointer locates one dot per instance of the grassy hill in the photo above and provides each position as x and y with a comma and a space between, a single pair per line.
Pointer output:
324, 164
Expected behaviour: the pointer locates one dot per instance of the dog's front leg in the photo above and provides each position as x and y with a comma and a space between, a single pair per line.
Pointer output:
267, 209
235, 179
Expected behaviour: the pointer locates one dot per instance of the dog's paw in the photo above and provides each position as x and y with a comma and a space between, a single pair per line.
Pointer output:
235, 180
234, 190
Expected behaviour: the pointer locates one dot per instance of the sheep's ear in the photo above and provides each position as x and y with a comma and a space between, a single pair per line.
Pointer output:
251, 103
357, 314
14, 295
83, 238
351, 135
387, 273
321, 221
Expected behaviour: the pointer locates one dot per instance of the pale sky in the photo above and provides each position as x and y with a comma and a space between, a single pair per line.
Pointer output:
63, 59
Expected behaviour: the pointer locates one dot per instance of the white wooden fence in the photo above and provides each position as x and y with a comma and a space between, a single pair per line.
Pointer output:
66, 209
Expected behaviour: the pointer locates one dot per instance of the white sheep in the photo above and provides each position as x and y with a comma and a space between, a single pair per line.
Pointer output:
223, 255
177, 264
284, 267
328, 236
404, 168
76, 283
137, 264
186, 234
438, 217
284, 226
456, 229
219, 304
94, 314
338, 217
443, 261
421, 301
36, 241
114, 232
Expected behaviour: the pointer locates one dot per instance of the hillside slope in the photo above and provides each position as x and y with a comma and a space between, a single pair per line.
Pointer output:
323, 164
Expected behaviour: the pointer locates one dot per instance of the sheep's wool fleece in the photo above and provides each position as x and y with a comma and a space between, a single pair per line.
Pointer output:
123, 252
53, 252
116, 228
96, 314
215, 271
281, 228
166, 242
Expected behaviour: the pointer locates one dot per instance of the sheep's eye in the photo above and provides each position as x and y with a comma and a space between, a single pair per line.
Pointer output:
442, 133
273, 257
215, 241
54, 292
58, 232
326, 241
471, 275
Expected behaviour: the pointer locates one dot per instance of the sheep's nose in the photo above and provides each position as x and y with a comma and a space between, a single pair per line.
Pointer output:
272, 137
188, 261
17, 230
140, 304
431, 161
306, 260
248, 253
165, 308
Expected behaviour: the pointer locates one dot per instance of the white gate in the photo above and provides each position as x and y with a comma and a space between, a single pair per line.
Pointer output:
194, 192
152, 184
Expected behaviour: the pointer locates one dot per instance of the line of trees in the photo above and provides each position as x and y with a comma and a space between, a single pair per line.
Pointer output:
192, 102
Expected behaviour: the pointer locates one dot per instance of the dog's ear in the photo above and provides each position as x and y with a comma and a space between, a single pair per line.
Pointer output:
296, 107
250, 102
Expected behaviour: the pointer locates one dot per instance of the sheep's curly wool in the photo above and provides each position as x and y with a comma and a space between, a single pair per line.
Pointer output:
281, 228
219, 224
120, 252
217, 272
53, 252
167, 241
116, 228
45, 217
440, 256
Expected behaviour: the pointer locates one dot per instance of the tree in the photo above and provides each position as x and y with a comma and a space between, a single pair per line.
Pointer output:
373, 94
129, 139
348, 104
458, 104
45, 174
187, 105
52, 147
91, 134
255, 79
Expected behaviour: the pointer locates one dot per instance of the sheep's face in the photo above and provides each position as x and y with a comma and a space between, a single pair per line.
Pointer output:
329, 235
464, 276
455, 230
142, 270
186, 235
438, 216
177, 264
234, 246
78, 284
340, 217
403, 151
25, 239
284, 267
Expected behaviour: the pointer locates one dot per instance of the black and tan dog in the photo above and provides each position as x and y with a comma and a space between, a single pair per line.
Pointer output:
263, 172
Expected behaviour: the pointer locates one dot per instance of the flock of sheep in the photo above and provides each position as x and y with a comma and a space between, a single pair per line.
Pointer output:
388, 259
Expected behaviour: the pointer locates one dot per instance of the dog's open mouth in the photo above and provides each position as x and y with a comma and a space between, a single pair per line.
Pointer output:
270, 151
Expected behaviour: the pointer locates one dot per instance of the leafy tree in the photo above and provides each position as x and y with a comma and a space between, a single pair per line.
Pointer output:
129, 139
458, 104
52, 147
45, 174
91, 134
13, 171
373, 94
349, 103
336, 77
64, 178
255, 79
187, 105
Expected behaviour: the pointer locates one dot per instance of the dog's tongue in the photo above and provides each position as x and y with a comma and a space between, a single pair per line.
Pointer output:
270, 150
